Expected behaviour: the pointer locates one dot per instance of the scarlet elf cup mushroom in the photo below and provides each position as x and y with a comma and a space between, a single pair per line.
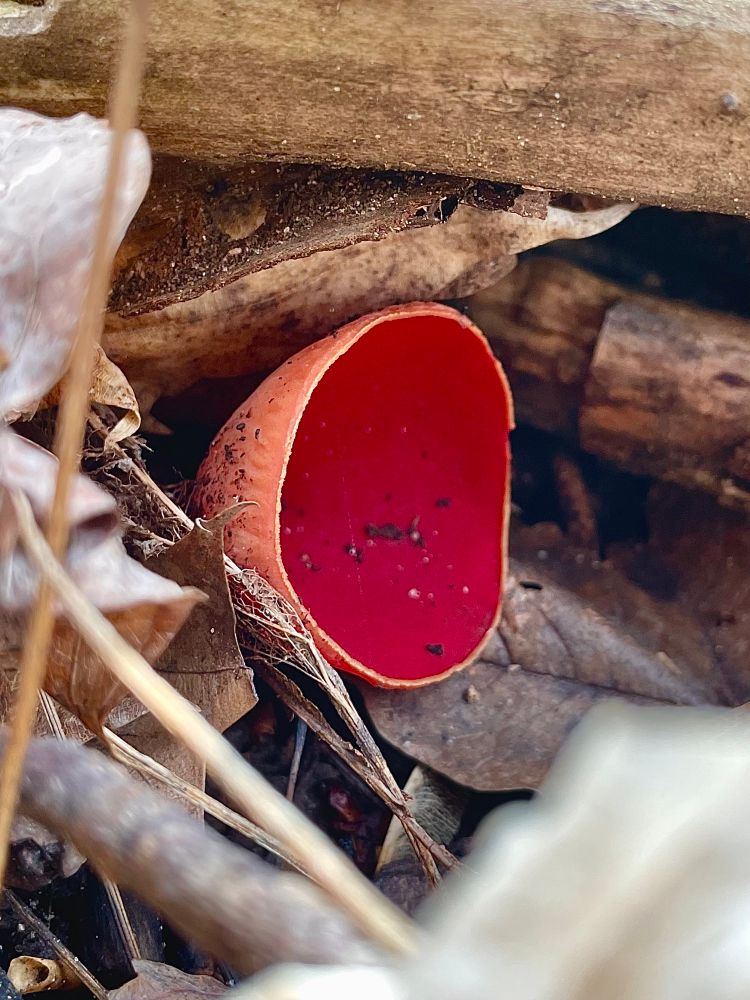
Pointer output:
379, 462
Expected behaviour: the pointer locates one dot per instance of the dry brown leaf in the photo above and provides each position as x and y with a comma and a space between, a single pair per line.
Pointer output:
499, 723
145, 608
109, 387
155, 981
257, 322
51, 178
203, 661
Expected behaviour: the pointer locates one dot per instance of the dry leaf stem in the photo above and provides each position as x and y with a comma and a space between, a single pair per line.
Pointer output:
74, 965
121, 750
367, 908
120, 913
72, 418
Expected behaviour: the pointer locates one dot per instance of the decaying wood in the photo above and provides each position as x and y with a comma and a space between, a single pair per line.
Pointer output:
659, 387
257, 322
628, 99
223, 898
203, 225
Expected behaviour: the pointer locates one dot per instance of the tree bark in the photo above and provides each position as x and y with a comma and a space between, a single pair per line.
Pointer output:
658, 387
636, 98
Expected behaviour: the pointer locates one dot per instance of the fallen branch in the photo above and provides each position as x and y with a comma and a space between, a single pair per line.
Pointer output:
225, 899
658, 387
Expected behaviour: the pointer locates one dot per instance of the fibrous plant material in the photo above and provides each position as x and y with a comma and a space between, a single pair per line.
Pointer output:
397, 565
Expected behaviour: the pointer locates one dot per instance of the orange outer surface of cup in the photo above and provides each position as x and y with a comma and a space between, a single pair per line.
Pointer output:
249, 457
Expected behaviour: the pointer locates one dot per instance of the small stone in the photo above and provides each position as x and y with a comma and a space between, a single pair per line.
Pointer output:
471, 695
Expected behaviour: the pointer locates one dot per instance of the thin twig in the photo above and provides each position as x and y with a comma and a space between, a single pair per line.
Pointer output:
72, 418
121, 750
120, 913
300, 735
66, 957
331, 869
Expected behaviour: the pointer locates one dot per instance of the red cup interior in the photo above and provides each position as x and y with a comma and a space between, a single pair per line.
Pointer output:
393, 500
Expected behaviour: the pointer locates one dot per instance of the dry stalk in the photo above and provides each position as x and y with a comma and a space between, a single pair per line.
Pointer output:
114, 895
74, 965
121, 750
72, 417
333, 872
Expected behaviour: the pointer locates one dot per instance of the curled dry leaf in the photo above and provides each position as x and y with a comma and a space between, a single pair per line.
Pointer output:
499, 723
154, 981
203, 226
145, 608
51, 180
257, 322
203, 661
109, 387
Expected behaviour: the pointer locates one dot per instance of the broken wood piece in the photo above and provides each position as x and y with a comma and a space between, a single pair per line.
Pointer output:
204, 225
660, 388
221, 897
619, 99
37, 975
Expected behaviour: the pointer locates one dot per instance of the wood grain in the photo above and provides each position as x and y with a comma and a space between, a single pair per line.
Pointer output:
622, 98
659, 387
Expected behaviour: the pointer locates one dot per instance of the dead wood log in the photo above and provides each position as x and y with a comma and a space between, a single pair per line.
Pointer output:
620, 99
658, 387
224, 899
